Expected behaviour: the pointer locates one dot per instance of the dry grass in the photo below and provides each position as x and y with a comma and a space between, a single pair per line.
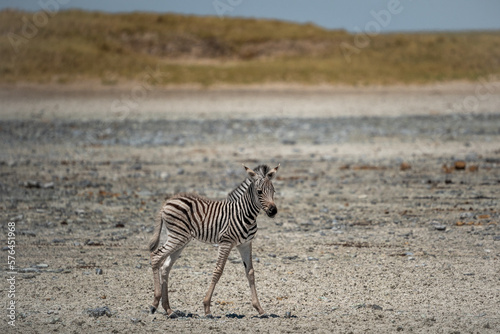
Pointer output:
78, 45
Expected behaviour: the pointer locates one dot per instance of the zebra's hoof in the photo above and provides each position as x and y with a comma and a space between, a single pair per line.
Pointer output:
152, 309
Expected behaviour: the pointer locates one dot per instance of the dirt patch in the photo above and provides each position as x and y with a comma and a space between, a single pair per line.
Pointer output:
359, 244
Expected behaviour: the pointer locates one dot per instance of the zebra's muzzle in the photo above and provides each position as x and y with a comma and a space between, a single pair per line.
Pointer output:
272, 211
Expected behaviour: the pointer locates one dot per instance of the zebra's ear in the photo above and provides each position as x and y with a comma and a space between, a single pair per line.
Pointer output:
250, 172
272, 173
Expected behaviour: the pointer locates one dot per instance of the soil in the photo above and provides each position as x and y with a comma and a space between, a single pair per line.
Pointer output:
388, 207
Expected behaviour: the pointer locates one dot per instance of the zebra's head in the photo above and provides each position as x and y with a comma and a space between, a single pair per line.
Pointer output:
262, 180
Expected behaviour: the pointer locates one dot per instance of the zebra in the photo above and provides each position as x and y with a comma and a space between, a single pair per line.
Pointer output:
229, 223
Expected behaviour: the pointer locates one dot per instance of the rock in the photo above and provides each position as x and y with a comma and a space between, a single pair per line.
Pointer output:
460, 165
99, 312
93, 243
358, 306
440, 227
32, 184
404, 166
98, 271
48, 185
376, 307
136, 166
16, 218
473, 168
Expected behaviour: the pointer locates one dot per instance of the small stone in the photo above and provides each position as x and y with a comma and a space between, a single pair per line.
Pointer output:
28, 233
48, 185
16, 218
136, 166
358, 306
404, 166
98, 271
32, 184
99, 312
440, 227
460, 165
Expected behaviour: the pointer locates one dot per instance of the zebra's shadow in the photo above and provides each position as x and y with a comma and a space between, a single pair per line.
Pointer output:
188, 315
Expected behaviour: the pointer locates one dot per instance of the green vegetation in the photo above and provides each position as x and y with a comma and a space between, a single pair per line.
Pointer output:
174, 49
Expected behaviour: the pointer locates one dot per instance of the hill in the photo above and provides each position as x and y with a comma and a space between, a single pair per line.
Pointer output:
168, 49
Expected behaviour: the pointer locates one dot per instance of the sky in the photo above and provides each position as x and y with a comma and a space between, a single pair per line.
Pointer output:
351, 15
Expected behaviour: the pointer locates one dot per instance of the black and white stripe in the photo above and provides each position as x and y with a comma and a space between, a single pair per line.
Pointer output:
230, 222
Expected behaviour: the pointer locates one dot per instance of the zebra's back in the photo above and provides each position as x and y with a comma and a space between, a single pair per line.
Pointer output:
193, 216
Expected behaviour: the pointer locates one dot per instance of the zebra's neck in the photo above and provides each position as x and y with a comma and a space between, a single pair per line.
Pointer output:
249, 202
239, 191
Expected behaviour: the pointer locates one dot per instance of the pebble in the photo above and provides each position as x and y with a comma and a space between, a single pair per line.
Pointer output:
99, 312
440, 227
98, 271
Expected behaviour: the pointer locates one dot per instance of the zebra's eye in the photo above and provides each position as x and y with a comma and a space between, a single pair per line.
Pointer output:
259, 191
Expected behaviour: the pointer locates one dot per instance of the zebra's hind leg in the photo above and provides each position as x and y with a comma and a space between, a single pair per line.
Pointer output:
165, 271
246, 255
158, 258
224, 250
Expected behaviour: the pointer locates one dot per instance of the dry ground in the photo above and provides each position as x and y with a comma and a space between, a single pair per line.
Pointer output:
360, 244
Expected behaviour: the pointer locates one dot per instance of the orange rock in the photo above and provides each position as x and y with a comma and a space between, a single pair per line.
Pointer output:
460, 165
473, 168
447, 169
404, 166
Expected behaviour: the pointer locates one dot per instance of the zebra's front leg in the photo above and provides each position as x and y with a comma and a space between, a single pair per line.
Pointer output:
246, 255
224, 250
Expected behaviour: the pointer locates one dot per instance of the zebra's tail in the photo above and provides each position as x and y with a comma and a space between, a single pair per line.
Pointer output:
155, 239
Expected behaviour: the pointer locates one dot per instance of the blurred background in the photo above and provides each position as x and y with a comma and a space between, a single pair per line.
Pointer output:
249, 42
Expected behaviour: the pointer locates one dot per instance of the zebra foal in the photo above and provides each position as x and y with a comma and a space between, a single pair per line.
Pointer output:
230, 222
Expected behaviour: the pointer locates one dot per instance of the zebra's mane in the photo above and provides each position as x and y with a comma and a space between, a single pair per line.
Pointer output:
262, 170
237, 192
